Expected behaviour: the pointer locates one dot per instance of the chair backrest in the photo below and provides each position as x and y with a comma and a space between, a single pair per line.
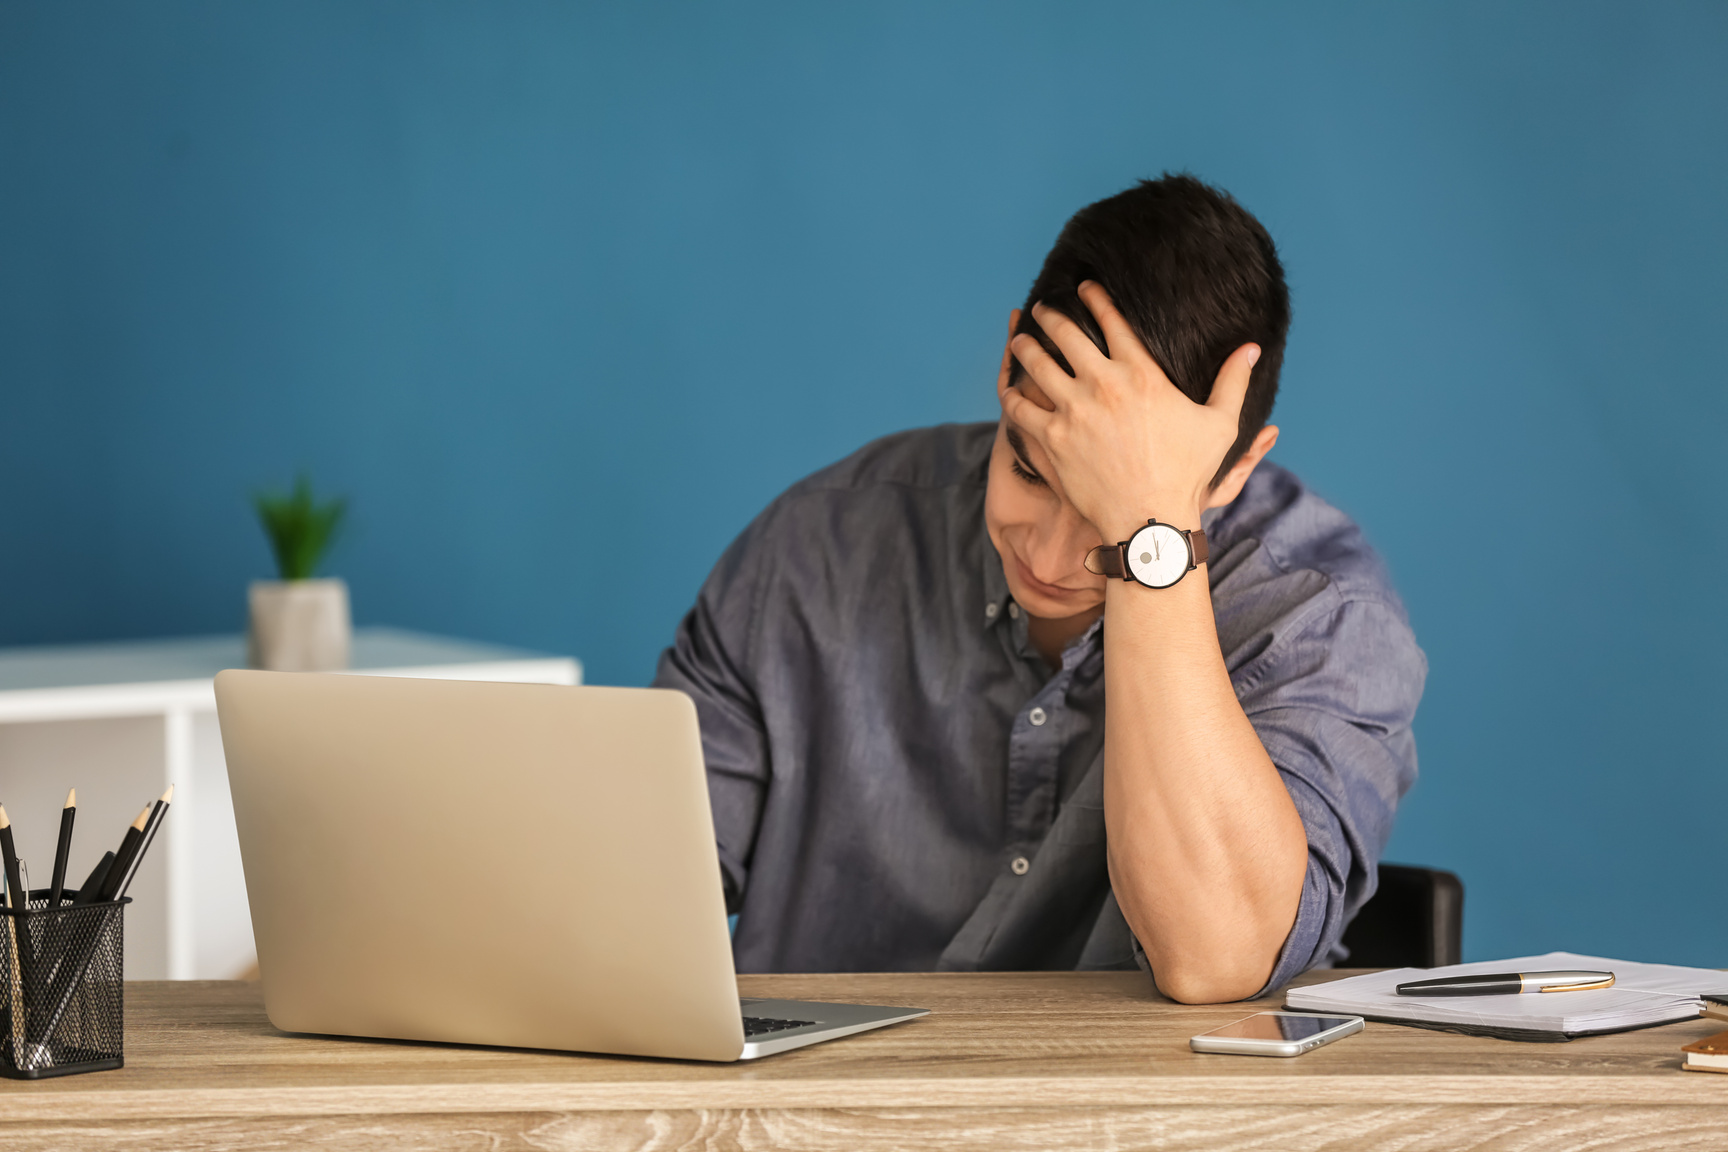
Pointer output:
1414, 920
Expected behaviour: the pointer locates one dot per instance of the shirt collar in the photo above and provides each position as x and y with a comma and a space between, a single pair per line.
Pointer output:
994, 609
1209, 520
1084, 644
994, 612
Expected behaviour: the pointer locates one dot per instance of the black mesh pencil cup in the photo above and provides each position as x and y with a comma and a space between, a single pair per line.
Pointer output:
62, 976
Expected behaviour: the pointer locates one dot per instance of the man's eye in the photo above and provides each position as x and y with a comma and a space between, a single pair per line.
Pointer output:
1025, 473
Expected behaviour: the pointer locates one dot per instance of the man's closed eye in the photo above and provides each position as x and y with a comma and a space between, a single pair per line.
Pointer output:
1027, 474
1019, 465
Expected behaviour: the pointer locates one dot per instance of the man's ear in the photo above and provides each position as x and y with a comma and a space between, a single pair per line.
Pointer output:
1230, 487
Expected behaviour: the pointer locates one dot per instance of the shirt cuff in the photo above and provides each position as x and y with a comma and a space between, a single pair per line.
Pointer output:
1298, 953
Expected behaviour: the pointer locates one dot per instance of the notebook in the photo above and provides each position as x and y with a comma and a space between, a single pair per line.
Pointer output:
1707, 1055
1643, 994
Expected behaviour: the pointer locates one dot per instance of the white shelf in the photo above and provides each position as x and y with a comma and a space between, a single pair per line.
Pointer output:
122, 721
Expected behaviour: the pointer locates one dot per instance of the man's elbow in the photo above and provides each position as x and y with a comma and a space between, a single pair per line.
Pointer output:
1194, 984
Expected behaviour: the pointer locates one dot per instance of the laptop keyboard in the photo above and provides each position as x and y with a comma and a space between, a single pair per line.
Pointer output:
755, 1026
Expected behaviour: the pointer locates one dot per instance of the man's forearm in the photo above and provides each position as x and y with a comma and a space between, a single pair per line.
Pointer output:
1207, 851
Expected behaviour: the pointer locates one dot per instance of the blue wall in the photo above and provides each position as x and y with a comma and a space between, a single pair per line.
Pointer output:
561, 295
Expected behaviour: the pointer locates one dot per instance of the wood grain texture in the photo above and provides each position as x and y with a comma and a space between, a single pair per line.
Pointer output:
1275, 1129
1007, 1061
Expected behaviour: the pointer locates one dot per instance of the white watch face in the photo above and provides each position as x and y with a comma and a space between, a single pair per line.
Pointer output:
1157, 555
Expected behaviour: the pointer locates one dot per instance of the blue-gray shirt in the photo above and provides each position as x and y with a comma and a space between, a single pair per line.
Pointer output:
900, 782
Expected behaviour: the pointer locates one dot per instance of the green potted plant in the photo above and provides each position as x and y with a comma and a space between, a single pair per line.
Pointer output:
299, 623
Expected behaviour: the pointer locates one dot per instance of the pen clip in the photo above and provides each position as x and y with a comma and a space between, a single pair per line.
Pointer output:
19, 900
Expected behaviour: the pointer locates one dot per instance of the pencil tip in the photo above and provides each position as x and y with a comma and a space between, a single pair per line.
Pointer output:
72, 798
168, 796
143, 819
5, 821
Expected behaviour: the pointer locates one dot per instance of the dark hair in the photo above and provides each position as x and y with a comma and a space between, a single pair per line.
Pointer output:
1194, 274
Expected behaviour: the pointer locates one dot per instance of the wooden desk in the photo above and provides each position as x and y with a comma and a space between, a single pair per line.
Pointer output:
1009, 1061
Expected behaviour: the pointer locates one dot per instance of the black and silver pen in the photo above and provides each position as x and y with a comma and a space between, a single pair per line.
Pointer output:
157, 811
1502, 983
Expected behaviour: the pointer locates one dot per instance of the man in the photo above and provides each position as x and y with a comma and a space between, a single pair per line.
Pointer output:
901, 666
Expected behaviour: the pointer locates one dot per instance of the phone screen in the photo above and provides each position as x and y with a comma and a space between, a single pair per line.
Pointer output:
1271, 1026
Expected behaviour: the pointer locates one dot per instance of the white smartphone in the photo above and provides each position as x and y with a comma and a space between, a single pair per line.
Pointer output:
1276, 1034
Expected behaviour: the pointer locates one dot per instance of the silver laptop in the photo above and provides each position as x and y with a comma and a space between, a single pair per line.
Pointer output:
516, 864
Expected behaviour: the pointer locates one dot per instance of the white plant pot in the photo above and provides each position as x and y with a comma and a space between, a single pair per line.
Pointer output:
299, 625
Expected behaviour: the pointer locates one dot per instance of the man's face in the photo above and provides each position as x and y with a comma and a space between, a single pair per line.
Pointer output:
1042, 541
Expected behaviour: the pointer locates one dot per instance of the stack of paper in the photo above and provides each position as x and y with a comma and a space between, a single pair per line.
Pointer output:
1643, 994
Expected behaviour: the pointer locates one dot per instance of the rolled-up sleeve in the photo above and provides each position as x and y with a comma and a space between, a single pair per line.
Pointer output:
1333, 704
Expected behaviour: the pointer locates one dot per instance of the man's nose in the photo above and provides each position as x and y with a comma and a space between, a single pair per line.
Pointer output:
1059, 550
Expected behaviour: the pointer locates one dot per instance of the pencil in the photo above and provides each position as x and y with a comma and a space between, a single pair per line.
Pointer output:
16, 942
68, 815
156, 814
16, 896
15, 990
123, 855
93, 883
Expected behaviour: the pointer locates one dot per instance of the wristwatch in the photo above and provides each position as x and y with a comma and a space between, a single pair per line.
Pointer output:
1157, 556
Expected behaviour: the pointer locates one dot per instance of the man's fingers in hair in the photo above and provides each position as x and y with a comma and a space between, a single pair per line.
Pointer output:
1025, 414
1117, 333
1231, 386
1068, 336
1041, 366
1026, 387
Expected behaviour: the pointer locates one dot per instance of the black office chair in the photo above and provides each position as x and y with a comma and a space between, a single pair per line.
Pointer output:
1414, 920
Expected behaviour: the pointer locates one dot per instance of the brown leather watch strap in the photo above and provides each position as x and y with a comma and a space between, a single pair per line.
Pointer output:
1108, 559
1197, 545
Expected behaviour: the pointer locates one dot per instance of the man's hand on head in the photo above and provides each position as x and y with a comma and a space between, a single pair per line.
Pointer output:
1125, 443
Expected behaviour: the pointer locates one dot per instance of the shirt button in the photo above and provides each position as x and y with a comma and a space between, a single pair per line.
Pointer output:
1013, 611
1020, 866
1037, 716
990, 611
